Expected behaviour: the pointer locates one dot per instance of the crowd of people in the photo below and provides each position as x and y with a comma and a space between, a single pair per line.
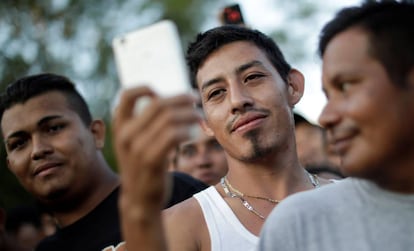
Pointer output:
255, 176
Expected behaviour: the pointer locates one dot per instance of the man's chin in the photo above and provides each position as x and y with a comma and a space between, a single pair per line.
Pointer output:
209, 179
53, 198
354, 169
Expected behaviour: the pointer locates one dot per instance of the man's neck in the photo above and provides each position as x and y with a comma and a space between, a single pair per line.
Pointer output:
88, 202
274, 180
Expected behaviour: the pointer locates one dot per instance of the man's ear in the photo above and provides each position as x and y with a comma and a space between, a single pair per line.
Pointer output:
296, 86
98, 131
206, 128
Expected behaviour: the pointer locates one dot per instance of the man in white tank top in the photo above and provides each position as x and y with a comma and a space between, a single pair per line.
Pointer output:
248, 92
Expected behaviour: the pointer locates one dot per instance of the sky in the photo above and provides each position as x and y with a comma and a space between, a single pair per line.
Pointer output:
265, 16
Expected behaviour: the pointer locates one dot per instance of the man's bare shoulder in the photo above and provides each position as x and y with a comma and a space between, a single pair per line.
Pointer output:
188, 208
185, 227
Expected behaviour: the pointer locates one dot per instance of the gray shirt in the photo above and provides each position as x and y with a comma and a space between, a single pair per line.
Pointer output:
352, 214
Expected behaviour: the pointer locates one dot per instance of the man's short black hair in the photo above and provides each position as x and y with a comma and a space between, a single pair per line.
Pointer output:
28, 87
299, 119
211, 40
390, 29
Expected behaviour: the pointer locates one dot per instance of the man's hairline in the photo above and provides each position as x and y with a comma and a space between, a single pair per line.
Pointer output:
62, 92
265, 53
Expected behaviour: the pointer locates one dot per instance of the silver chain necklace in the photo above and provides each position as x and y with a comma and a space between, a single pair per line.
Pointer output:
234, 193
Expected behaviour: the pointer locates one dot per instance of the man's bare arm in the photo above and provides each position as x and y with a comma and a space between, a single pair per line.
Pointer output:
142, 142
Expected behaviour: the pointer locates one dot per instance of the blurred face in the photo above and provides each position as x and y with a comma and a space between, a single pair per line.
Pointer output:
28, 236
203, 158
246, 102
369, 120
310, 145
49, 149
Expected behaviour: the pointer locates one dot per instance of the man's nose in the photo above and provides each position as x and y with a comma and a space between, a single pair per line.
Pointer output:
240, 98
203, 158
329, 115
41, 147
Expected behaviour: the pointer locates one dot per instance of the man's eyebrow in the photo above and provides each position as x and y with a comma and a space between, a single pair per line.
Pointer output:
248, 65
17, 134
206, 84
187, 144
333, 80
47, 119
239, 70
39, 123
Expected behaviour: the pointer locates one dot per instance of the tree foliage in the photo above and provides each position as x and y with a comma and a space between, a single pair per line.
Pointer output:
73, 38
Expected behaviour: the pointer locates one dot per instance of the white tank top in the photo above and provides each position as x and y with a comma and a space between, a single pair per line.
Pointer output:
226, 231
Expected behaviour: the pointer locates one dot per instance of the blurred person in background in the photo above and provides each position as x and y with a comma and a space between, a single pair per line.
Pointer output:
25, 226
201, 157
7, 242
313, 149
48, 223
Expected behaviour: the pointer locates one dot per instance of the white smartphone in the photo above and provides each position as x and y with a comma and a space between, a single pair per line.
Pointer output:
152, 56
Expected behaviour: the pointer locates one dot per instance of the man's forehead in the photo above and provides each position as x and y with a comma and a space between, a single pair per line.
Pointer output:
33, 112
238, 56
344, 54
354, 40
201, 139
15, 126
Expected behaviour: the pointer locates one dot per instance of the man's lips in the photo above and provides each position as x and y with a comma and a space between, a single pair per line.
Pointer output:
45, 167
245, 120
340, 143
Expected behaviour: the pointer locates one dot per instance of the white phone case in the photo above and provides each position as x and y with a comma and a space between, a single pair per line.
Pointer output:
152, 56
